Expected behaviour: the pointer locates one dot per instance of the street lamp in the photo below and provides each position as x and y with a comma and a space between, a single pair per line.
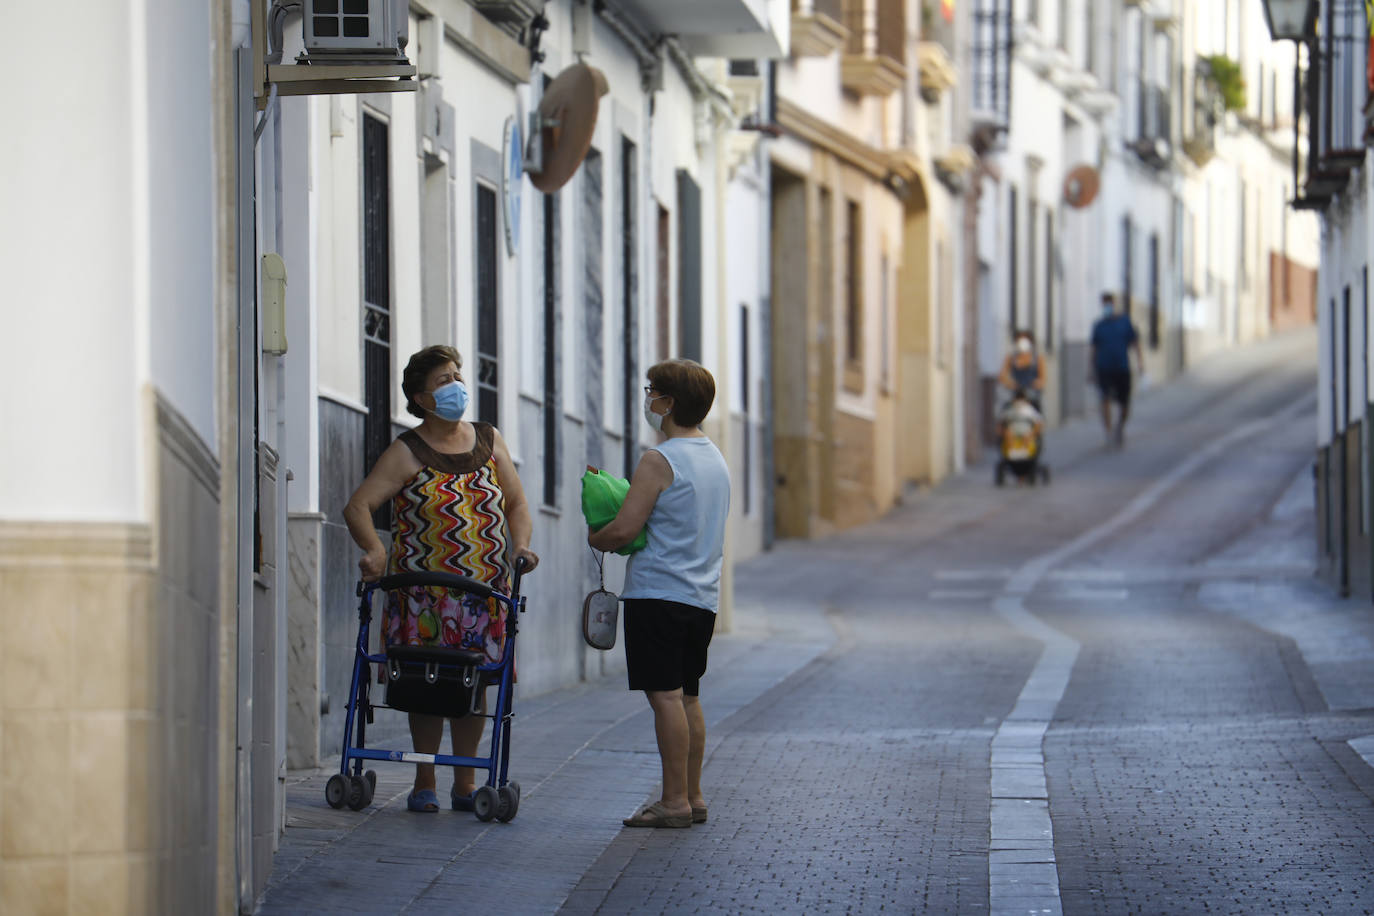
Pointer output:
1288, 19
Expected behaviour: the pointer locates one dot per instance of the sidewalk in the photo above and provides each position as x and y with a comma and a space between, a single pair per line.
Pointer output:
585, 757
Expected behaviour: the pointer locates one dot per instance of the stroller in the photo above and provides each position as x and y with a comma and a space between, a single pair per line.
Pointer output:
434, 680
1020, 444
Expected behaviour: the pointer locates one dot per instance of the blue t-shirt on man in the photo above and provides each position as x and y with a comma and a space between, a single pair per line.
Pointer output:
1112, 340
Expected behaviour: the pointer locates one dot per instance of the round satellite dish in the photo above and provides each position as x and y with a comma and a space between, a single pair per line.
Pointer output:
1081, 186
568, 116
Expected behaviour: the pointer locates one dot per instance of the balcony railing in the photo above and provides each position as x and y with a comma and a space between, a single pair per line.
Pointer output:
875, 55
1154, 125
1334, 94
1200, 131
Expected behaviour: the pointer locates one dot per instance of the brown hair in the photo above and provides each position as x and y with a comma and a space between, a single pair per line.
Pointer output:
418, 369
691, 387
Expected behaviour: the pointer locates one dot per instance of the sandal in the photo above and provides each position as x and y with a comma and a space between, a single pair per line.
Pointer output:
460, 802
424, 801
656, 815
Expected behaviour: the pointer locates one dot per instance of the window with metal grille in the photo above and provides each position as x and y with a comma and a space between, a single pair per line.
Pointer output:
853, 283
662, 295
551, 340
991, 63
1127, 243
1032, 264
629, 297
376, 297
746, 444
488, 305
688, 266
1154, 291
1013, 268
1048, 343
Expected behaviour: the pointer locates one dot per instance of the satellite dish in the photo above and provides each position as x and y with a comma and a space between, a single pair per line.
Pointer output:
1081, 186
561, 130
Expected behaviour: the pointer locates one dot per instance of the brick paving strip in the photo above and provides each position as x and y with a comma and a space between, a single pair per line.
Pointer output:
1022, 873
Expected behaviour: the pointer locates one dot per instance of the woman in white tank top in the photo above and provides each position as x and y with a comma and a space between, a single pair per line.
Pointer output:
680, 492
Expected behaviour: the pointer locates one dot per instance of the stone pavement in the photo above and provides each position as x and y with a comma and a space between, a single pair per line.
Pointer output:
1205, 755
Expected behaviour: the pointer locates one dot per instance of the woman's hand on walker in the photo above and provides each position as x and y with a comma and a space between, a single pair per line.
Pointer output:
373, 564
530, 557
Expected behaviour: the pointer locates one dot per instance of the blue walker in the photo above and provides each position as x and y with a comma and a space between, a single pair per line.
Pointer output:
443, 672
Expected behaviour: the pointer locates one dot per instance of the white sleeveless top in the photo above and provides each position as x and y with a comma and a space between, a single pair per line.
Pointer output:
686, 529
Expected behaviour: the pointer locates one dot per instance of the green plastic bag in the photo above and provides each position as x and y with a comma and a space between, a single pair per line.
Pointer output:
602, 496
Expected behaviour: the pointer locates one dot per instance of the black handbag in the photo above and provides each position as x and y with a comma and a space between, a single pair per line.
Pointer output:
434, 680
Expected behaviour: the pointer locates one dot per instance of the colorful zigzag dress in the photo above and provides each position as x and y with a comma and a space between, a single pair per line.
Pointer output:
450, 517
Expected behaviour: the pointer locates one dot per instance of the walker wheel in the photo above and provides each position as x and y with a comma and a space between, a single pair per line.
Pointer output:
371, 777
359, 793
508, 802
336, 790
485, 803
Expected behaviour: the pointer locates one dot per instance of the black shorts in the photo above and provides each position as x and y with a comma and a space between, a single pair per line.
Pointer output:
665, 644
1115, 384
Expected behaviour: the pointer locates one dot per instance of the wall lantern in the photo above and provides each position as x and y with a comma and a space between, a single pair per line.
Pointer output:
1288, 20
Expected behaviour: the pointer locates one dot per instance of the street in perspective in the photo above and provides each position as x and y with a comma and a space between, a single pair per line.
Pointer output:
687, 456
1123, 692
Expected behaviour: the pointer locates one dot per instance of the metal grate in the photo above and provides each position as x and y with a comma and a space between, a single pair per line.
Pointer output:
376, 317
488, 360
335, 18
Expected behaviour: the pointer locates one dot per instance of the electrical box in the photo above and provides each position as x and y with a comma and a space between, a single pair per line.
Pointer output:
361, 31
273, 304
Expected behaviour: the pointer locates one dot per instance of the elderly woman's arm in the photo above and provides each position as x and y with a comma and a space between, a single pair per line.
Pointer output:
651, 477
517, 507
395, 466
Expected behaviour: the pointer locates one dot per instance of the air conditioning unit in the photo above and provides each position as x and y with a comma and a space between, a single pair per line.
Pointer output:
356, 31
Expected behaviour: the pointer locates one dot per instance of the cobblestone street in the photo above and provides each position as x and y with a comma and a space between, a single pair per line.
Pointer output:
1125, 692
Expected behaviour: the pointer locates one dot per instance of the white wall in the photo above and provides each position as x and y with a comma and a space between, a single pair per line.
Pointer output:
107, 190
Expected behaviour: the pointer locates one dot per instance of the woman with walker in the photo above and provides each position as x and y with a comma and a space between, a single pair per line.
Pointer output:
457, 507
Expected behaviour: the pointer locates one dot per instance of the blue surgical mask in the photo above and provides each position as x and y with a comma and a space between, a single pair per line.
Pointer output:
450, 401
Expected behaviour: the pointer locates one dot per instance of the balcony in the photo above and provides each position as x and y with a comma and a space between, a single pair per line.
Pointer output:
1334, 99
1154, 125
935, 71
1200, 133
874, 61
818, 27
717, 28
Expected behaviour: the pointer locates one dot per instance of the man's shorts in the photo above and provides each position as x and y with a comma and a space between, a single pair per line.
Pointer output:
1115, 384
665, 644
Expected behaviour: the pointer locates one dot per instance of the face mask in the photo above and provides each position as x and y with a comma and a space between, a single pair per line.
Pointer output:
450, 401
1107, 311
1023, 345
653, 419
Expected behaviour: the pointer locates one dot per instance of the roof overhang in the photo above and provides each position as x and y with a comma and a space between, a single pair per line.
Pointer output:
718, 28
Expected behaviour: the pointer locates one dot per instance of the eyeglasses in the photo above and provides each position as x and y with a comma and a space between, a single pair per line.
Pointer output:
648, 389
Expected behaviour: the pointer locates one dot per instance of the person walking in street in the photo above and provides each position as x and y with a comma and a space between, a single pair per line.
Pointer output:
1113, 337
680, 491
1024, 369
454, 496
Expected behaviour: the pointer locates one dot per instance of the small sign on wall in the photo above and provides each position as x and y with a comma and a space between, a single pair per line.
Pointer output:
511, 179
